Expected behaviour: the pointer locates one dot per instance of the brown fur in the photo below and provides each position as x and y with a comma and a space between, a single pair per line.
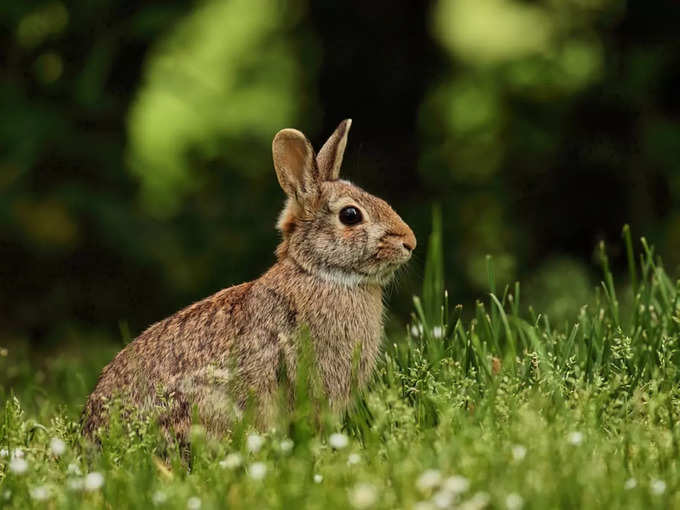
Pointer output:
219, 352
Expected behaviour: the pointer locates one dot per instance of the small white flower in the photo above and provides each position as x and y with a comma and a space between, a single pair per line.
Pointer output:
575, 438
254, 443
40, 493
476, 502
657, 487
159, 497
518, 452
57, 446
456, 484
363, 495
631, 483
338, 441
353, 459
318, 478
286, 445
231, 461
514, 501
93, 481
443, 498
73, 469
417, 330
437, 332
76, 484
193, 503
18, 466
257, 470
430, 479
17, 453
3, 452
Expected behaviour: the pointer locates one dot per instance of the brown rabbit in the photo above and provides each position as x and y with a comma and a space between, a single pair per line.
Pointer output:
340, 246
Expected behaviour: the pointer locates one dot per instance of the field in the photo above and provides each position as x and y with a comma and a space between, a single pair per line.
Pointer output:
493, 407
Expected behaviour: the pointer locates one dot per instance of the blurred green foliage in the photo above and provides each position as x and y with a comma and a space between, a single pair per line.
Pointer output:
226, 77
135, 159
537, 131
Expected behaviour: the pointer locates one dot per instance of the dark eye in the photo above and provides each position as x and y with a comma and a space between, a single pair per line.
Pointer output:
350, 215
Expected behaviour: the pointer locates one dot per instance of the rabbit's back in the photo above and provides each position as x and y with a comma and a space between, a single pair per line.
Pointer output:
192, 358
225, 349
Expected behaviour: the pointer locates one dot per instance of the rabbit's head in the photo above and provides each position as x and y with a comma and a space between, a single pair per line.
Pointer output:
332, 228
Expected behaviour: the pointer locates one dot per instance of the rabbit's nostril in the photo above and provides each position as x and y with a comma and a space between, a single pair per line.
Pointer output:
407, 246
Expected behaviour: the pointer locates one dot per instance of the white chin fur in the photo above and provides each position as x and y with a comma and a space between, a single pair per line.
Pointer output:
348, 279
340, 277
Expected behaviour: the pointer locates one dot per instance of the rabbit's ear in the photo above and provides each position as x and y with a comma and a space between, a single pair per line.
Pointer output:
295, 164
330, 156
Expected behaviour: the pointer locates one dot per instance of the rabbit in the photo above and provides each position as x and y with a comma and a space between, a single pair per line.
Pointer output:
340, 246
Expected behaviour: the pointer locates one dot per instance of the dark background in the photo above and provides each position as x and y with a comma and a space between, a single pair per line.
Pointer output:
135, 144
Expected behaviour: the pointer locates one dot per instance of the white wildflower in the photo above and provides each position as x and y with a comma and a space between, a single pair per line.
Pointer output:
575, 438
40, 493
456, 484
437, 332
193, 503
443, 498
476, 502
57, 446
338, 441
363, 495
231, 461
257, 470
254, 443
93, 481
353, 459
318, 478
514, 501
3, 452
518, 453
76, 484
657, 487
631, 483
417, 330
286, 445
73, 469
18, 466
430, 479
159, 497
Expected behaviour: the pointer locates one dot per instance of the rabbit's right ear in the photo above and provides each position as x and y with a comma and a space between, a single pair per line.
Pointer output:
330, 156
295, 164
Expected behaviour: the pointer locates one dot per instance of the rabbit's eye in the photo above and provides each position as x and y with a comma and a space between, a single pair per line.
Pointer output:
350, 215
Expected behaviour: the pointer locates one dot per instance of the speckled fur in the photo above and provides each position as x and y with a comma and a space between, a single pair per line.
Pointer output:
227, 348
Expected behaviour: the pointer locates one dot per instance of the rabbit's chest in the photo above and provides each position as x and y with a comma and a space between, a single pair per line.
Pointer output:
347, 328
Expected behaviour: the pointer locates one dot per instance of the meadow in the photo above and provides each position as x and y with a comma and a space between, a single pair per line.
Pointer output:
484, 405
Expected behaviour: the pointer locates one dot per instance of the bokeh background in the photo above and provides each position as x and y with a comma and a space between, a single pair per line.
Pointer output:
135, 144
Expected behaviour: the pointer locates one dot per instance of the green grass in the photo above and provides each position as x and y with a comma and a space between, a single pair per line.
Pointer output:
504, 410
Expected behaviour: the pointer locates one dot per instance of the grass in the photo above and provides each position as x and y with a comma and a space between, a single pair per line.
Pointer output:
504, 410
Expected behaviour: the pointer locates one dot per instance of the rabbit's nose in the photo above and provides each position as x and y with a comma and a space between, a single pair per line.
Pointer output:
409, 239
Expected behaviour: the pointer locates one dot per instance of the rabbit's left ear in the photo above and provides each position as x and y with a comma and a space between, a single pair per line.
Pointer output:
329, 159
295, 164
